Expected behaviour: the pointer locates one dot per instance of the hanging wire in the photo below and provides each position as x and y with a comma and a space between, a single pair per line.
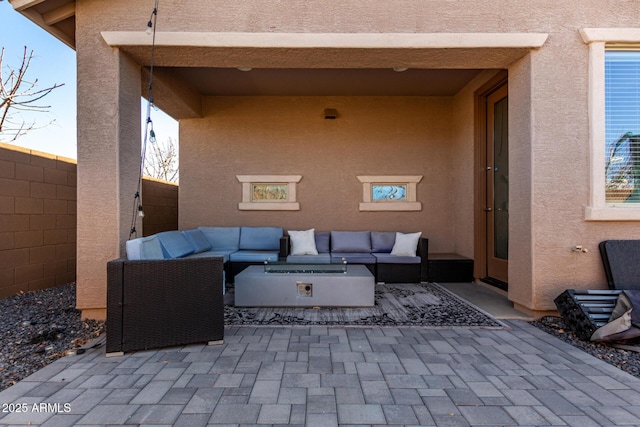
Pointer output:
149, 133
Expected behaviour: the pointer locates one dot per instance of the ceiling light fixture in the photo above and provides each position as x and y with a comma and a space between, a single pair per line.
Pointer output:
245, 68
400, 69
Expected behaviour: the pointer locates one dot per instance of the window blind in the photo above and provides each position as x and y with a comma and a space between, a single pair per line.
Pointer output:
622, 126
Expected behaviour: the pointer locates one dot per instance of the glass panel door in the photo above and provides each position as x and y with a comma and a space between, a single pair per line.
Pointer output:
497, 205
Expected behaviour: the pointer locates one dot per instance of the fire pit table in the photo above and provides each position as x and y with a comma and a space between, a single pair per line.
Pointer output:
305, 285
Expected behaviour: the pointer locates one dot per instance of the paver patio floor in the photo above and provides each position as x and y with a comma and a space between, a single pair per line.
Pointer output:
328, 376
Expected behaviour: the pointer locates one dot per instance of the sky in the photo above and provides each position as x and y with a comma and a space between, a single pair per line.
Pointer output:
55, 63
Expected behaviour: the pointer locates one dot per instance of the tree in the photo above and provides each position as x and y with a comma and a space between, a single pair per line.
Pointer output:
17, 95
162, 160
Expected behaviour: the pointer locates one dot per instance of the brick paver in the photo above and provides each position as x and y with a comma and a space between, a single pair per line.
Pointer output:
329, 376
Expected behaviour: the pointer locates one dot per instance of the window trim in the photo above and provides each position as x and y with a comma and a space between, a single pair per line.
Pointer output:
598, 40
411, 202
250, 204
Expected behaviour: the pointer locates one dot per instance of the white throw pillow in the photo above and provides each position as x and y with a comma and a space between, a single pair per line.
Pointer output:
406, 244
303, 242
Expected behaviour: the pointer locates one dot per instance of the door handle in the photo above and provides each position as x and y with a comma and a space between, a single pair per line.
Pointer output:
488, 209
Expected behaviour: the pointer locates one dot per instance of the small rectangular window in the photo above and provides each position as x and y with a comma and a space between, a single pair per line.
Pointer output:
388, 192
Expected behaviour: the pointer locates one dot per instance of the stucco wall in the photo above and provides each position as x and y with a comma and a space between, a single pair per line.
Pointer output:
548, 128
289, 135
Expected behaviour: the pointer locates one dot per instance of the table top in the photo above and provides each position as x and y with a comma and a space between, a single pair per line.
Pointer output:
352, 270
283, 267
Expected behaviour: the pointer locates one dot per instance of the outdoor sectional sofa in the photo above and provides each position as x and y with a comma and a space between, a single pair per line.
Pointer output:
243, 246
169, 290
374, 249
164, 302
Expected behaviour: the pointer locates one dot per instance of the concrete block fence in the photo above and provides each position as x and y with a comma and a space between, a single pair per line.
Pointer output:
160, 203
38, 218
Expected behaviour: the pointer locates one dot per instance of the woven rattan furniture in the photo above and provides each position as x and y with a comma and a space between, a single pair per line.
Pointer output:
160, 303
584, 311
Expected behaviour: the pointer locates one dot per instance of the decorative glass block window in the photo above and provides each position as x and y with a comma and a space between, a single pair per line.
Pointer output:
622, 126
390, 193
269, 192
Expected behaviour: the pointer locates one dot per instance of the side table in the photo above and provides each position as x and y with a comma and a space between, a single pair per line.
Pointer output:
449, 267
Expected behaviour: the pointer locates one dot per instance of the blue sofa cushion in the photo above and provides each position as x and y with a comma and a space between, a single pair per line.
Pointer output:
174, 244
385, 258
222, 238
310, 259
144, 248
352, 258
260, 238
351, 241
223, 254
382, 241
253, 256
322, 242
197, 240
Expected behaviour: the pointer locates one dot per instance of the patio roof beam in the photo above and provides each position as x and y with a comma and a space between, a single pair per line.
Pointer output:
330, 40
49, 21
328, 50
24, 4
59, 14
173, 96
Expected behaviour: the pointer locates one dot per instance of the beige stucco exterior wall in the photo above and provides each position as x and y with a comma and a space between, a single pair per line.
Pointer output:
289, 135
548, 130
108, 155
521, 169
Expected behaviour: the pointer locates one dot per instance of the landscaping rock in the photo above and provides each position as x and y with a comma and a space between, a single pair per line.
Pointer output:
38, 328
627, 361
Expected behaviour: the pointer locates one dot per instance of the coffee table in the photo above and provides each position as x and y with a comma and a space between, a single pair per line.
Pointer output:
305, 285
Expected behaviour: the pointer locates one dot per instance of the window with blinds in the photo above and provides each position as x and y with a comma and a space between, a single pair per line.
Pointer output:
622, 126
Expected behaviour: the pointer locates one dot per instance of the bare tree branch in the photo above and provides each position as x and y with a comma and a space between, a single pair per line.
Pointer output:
162, 161
18, 94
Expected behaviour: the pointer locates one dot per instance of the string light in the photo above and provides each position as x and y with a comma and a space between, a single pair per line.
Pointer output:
152, 134
149, 133
150, 24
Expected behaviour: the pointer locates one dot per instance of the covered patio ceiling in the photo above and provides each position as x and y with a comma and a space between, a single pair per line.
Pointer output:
57, 17
323, 82
195, 64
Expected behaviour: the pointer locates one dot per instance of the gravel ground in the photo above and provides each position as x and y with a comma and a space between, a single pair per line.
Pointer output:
627, 361
38, 328
43, 326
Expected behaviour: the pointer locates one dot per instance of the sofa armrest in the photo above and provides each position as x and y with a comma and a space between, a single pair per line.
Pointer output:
423, 253
158, 303
284, 247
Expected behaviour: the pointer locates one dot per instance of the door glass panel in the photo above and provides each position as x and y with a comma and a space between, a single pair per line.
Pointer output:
501, 180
